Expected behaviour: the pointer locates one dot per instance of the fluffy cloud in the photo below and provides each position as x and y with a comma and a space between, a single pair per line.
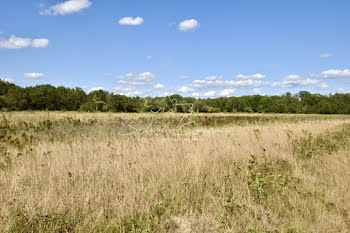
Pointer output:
158, 86
15, 43
256, 91
336, 73
292, 81
128, 84
227, 92
34, 75
188, 25
205, 94
185, 89
166, 94
209, 94
9, 80
325, 55
196, 94
145, 78
40, 43
131, 21
123, 89
131, 93
18, 43
254, 76
213, 81
322, 85
339, 90
96, 89
67, 7
137, 93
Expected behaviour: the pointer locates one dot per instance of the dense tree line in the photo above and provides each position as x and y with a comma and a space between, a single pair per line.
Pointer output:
47, 97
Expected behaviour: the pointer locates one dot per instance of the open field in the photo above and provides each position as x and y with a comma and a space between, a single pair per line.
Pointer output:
108, 172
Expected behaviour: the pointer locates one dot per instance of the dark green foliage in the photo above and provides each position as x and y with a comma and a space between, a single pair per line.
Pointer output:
47, 97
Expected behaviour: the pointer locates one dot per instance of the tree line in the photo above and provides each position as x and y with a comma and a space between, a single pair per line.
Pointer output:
47, 97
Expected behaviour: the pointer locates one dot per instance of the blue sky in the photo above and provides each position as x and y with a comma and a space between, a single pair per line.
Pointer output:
191, 47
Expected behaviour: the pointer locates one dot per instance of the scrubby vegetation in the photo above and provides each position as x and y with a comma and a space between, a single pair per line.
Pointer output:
80, 172
47, 97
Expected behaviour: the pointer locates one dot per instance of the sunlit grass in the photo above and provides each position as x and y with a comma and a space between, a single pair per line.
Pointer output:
225, 173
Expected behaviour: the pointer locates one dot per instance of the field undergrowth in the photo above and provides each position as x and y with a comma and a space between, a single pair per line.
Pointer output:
106, 172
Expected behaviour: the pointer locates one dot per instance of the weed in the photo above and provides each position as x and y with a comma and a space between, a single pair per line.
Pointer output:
266, 177
307, 146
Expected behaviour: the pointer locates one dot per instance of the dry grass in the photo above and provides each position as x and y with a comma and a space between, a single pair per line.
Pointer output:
75, 172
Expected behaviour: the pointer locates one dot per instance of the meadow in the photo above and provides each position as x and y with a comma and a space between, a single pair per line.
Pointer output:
172, 172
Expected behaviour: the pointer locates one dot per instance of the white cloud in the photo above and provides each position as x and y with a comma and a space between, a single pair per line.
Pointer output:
96, 89
129, 82
290, 81
15, 43
9, 80
322, 85
144, 78
254, 76
205, 94
336, 73
340, 90
209, 94
158, 86
131, 21
188, 25
131, 93
325, 55
292, 77
149, 57
227, 92
196, 94
213, 81
256, 91
40, 43
18, 43
34, 75
137, 93
67, 7
212, 78
293, 80
185, 89
166, 94
123, 89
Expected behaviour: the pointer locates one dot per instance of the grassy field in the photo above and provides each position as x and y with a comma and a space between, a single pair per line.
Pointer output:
107, 172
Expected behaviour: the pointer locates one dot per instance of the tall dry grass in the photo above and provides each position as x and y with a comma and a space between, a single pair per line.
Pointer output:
74, 172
